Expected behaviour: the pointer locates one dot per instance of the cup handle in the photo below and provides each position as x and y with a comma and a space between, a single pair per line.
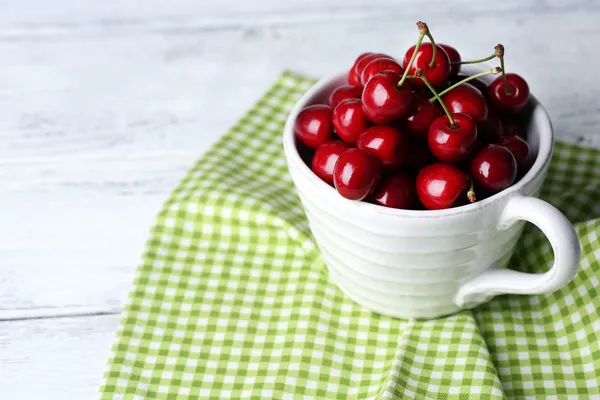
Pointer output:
564, 242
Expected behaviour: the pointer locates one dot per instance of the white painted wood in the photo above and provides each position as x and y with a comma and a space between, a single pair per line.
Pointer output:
105, 104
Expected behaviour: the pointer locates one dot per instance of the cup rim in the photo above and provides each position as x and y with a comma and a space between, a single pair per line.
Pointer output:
544, 155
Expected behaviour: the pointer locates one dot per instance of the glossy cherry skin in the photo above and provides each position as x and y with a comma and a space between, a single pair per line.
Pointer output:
325, 157
313, 125
513, 128
437, 74
441, 186
380, 64
493, 168
395, 191
468, 100
421, 116
490, 129
389, 145
356, 174
520, 150
360, 66
382, 101
452, 144
349, 120
454, 57
478, 83
342, 93
353, 75
513, 102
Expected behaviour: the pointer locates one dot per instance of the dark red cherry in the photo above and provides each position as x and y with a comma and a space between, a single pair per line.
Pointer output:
468, 100
454, 57
349, 120
362, 63
353, 75
395, 191
520, 150
493, 168
452, 143
490, 129
512, 102
478, 83
356, 174
513, 128
438, 73
313, 125
419, 155
380, 64
389, 145
441, 186
382, 101
421, 116
344, 92
325, 157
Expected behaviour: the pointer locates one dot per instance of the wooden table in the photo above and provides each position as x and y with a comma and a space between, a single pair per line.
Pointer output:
105, 104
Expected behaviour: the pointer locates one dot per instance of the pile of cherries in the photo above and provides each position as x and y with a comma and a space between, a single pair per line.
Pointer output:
418, 134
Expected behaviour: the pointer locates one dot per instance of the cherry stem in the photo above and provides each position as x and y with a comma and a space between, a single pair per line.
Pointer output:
474, 61
471, 193
419, 74
432, 62
422, 32
493, 71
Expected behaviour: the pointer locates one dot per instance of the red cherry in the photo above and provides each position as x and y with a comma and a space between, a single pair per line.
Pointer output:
454, 57
419, 155
353, 75
356, 174
360, 65
389, 145
313, 125
513, 128
382, 101
438, 73
478, 83
514, 101
421, 116
349, 120
452, 143
344, 92
395, 191
380, 64
441, 186
490, 129
325, 157
468, 100
520, 150
493, 168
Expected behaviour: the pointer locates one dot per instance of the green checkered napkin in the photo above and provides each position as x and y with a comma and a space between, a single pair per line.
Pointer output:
232, 300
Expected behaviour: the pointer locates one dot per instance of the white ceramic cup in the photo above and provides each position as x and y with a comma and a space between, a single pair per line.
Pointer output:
426, 264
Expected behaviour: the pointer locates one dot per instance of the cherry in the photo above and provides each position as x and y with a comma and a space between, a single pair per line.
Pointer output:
493, 168
344, 92
441, 186
356, 174
452, 142
395, 191
466, 99
478, 83
313, 125
380, 64
360, 65
419, 155
454, 57
421, 115
513, 128
520, 150
490, 129
389, 145
325, 157
437, 72
509, 94
349, 120
353, 75
383, 102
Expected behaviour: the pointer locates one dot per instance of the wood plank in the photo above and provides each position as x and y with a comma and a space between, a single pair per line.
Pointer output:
59, 358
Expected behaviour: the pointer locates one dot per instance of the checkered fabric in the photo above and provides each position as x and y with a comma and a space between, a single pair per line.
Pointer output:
232, 299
